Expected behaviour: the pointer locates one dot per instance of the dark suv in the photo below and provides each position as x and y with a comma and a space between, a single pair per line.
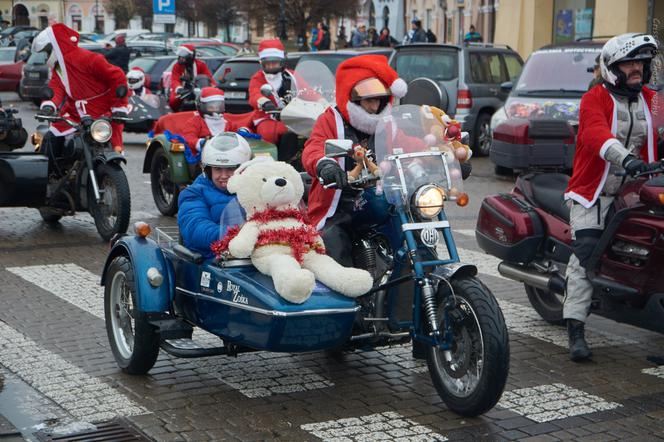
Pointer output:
463, 80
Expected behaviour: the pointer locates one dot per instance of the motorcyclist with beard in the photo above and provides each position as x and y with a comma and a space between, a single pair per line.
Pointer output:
283, 81
187, 67
616, 134
365, 88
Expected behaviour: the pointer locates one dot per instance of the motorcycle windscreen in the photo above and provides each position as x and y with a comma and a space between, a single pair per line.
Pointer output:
411, 153
657, 110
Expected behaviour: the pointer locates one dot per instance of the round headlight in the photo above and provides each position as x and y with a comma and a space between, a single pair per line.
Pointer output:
428, 201
101, 131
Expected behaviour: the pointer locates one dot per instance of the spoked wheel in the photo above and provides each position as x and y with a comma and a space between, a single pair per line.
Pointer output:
134, 342
482, 134
164, 191
472, 380
547, 304
111, 213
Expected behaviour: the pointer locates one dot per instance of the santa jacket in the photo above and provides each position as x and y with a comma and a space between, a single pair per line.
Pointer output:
258, 80
199, 68
83, 83
198, 127
598, 122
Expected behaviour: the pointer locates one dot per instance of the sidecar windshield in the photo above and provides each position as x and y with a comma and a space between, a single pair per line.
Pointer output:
232, 215
411, 153
317, 81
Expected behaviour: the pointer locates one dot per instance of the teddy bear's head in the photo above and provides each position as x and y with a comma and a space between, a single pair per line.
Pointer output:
265, 184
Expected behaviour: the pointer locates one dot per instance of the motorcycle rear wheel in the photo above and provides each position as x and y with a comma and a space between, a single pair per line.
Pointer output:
164, 191
134, 342
111, 214
473, 381
547, 304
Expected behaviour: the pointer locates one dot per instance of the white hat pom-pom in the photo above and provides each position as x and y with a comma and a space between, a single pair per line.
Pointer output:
399, 88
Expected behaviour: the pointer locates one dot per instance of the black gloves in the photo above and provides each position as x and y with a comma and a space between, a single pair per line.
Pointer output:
268, 106
634, 166
329, 172
47, 110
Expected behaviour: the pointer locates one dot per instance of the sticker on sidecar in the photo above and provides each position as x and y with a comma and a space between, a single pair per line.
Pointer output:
205, 279
233, 290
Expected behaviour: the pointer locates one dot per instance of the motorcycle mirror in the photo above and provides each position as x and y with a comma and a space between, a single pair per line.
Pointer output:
121, 91
465, 137
46, 93
266, 90
336, 148
506, 86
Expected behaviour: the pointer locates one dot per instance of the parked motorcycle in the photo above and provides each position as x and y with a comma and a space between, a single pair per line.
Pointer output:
156, 292
528, 229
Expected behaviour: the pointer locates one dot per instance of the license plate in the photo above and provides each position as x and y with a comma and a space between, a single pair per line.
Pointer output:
33, 75
235, 95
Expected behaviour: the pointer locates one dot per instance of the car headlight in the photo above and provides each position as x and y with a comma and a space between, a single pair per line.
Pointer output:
428, 201
101, 131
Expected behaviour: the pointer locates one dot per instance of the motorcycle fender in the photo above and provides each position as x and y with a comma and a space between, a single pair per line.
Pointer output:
178, 165
110, 157
455, 270
144, 254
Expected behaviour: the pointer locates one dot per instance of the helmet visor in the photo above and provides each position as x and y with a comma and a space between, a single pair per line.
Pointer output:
272, 65
644, 53
213, 106
369, 88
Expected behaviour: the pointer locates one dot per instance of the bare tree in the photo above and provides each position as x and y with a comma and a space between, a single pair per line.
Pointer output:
122, 10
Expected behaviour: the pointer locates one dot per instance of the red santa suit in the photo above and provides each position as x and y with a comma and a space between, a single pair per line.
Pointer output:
83, 83
598, 122
198, 68
199, 127
322, 203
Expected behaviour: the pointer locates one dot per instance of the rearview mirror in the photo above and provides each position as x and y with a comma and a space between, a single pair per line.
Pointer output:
266, 90
46, 93
121, 91
336, 148
506, 86
465, 138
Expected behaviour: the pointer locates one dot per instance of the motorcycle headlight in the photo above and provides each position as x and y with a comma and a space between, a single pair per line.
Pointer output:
101, 131
428, 201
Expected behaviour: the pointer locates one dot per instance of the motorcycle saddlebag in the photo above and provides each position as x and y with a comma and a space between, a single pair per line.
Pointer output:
509, 228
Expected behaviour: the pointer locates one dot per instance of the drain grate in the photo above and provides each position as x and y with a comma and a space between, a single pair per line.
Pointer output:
112, 431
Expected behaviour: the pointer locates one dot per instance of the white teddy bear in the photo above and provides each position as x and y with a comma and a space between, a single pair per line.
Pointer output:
279, 241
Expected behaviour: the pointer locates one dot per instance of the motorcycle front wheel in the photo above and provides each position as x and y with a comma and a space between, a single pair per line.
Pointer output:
473, 380
164, 191
111, 213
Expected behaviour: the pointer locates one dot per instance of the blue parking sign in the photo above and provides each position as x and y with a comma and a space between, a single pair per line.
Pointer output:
163, 6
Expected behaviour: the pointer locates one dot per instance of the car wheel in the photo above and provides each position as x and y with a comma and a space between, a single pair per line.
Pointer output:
482, 135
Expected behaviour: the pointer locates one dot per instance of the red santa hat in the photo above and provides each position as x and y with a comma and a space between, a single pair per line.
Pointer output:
185, 50
363, 67
211, 94
271, 49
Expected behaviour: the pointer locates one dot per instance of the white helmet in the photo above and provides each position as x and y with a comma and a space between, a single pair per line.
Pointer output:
226, 149
42, 43
626, 47
135, 79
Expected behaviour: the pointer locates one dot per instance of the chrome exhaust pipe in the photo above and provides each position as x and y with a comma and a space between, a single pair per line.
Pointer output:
552, 282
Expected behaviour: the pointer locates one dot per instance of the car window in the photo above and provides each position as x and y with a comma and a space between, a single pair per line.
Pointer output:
7, 55
492, 62
436, 65
513, 65
238, 71
227, 50
213, 63
209, 51
478, 71
37, 58
542, 71
143, 63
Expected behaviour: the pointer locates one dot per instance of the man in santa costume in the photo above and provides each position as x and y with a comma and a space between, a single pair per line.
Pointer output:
283, 81
84, 84
188, 67
207, 121
615, 134
365, 87
136, 82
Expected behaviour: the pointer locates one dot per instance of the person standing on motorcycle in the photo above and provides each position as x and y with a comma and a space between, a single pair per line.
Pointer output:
84, 84
202, 204
208, 121
616, 134
283, 81
187, 67
136, 82
365, 88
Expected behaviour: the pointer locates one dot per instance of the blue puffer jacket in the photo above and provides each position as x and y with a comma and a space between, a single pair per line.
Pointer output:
200, 209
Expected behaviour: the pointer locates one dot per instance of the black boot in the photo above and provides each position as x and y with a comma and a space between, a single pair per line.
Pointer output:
578, 348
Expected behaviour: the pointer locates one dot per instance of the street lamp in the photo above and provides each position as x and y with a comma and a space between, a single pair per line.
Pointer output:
282, 20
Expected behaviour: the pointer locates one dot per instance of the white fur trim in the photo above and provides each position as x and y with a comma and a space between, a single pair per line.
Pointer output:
399, 88
60, 133
271, 52
215, 125
61, 60
47, 103
120, 109
342, 162
215, 97
606, 145
183, 51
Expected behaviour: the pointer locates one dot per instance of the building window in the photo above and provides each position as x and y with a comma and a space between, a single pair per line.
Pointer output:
169, 27
427, 19
386, 17
99, 23
76, 22
572, 20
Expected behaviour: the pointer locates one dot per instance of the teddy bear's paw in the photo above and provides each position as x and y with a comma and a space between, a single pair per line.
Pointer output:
239, 249
356, 282
296, 287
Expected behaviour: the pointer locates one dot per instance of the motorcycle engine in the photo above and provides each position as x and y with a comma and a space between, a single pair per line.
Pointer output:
373, 254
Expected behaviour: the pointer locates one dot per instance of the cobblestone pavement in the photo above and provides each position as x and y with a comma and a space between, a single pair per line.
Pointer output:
59, 372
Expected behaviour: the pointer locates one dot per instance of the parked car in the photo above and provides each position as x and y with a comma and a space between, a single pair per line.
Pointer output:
13, 30
332, 59
226, 48
464, 81
36, 74
547, 98
154, 67
128, 33
10, 70
140, 48
155, 36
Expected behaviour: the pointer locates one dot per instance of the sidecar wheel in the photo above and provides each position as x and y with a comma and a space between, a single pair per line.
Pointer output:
473, 381
547, 304
164, 191
111, 214
134, 342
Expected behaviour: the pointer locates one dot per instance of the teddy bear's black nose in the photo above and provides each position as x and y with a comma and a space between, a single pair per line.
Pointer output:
280, 182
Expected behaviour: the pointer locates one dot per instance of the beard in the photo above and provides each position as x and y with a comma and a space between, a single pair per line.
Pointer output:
363, 120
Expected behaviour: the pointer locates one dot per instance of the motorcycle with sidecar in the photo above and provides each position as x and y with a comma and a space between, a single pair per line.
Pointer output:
157, 291
165, 155
87, 177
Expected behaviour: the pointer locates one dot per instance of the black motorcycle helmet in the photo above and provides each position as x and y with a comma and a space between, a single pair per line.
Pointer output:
272, 56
